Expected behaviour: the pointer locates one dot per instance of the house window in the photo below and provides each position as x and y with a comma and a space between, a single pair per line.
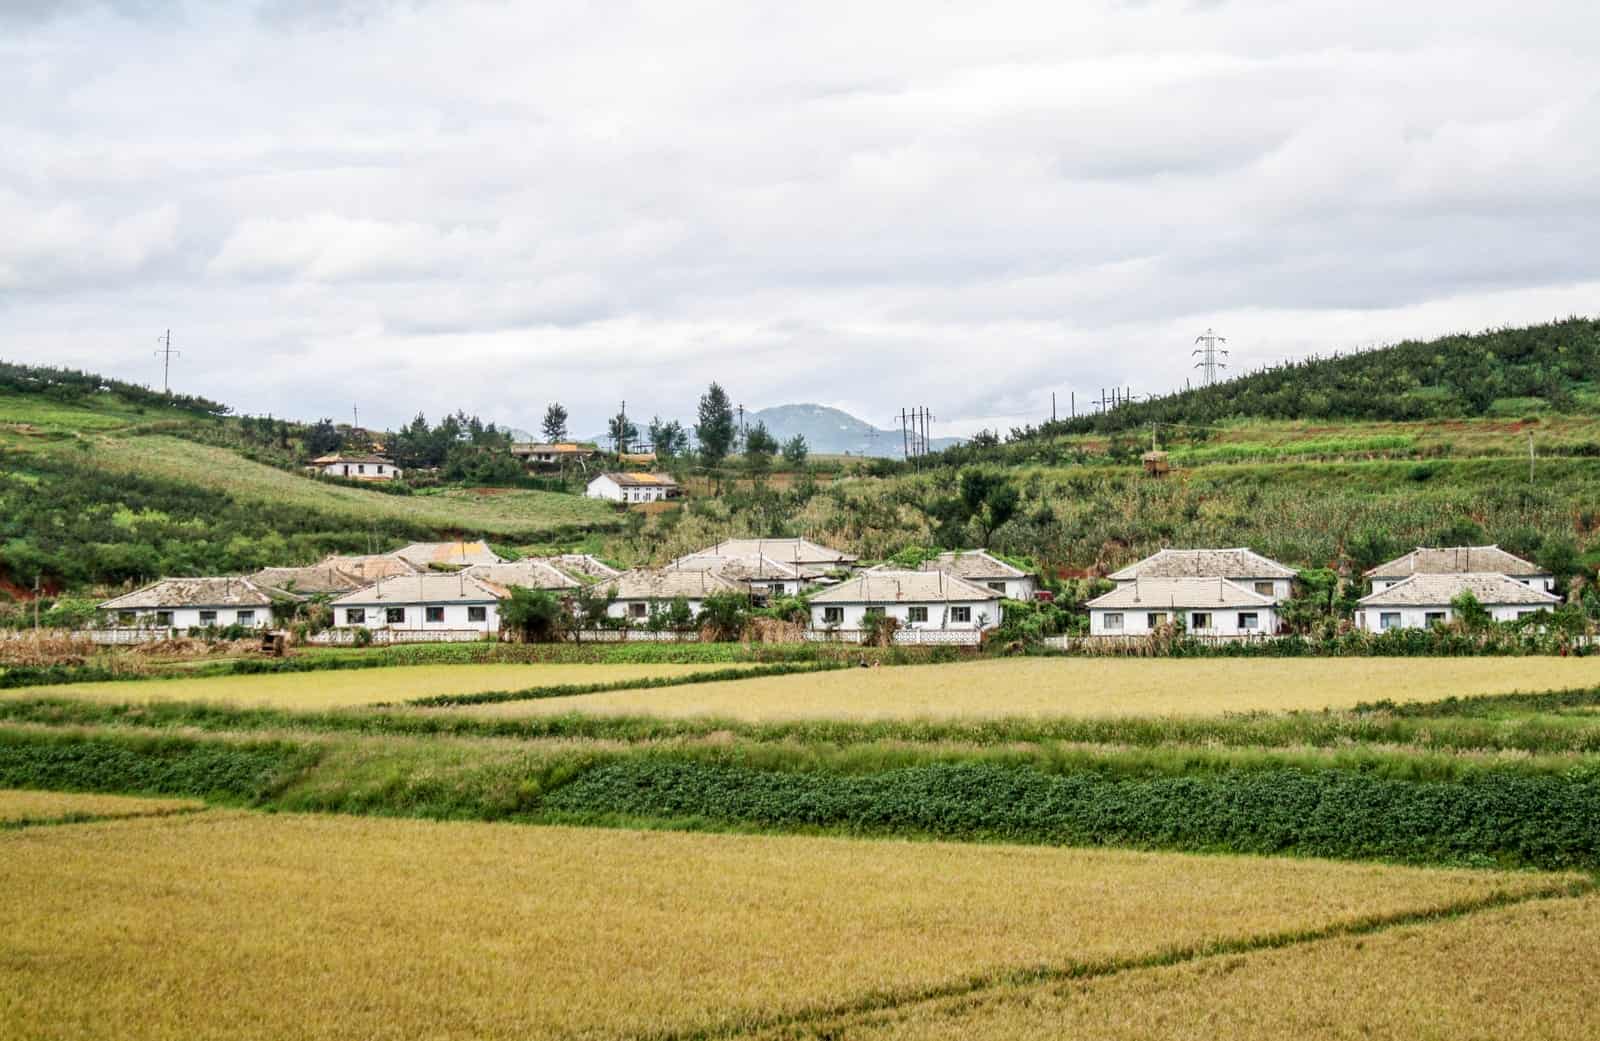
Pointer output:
361, 468
163, 617
1200, 620
638, 609
1249, 620
127, 618
1389, 620
832, 615
1155, 619
998, 587
961, 614
355, 616
776, 588
245, 618
347, 469
1264, 588
380, 468
1113, 620
394, 615
208, 618
916, 614
433, 614
1432, 618
478, 614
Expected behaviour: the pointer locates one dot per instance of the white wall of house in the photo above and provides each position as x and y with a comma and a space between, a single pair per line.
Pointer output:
362, 471
638, 611
1216, 621
192, 617
979, 614
1013, 588
603, 487
1377, 619
418, 617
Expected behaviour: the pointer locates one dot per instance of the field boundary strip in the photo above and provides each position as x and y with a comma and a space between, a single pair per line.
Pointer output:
17, 824
489, 697
826, 1021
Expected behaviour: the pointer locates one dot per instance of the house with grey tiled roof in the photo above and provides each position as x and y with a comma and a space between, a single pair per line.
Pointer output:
1240, 565
637, 593
983, 568
915, 599
1202, 606
1460, 560
424, 602
197, 603
1424, 599
762, 576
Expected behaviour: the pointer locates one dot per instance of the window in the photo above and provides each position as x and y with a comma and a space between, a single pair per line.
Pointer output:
1431, 618
163, 617
478, 613
916, 614
961, 614
433, 614
355, 616
832, 615
1155, 619
361, 468
380, 468
1199, 619
1389, 620
998, 587
1264, 588
245, 618
394, 615
127, 618
638, 609
347, 469
208, 618
1249, 620
1112, 620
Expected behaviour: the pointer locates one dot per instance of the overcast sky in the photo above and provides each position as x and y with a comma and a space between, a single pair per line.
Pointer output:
489, 206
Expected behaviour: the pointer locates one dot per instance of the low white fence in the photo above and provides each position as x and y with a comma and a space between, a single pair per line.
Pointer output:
128, 636
633, 636
1108, 643
347, 637
903, 637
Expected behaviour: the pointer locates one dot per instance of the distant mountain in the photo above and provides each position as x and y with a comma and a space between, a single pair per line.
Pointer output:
829, 431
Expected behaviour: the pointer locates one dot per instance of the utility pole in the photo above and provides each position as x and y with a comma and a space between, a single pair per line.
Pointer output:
355, 417
1208, 351
1530, 457
166, 352
743, 440
620, 441
905, 442
1074, 400
1052, 406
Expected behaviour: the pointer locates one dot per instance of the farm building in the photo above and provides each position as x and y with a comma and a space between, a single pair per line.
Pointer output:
553, 454
309, 581
191, 603
529, 573
1243, 566
760, 575
636, 593
620, 487
1460, 560
790, 551
915, 599
420, 603
982, 568
1424, 599
356, 467
1204, 607
424, 555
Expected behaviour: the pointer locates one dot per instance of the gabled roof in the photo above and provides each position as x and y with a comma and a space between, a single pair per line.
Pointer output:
746, 569
582, 564
622, 480
904, 587
423, 589
1204, 563
973, 564
1434, 590
791, 551
369, 567
1457, 560
529, 573
329, 460
314, 579
563, 448
667, 583
1158, 594
422, 554
225, 591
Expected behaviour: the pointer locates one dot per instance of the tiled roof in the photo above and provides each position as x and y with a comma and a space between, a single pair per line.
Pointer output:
329, 460
370, 567
975, 564
1204, 563
793, 551
903, 587
1158, 593
225, 591
421, 554
423, 589
582, 564
667, 583
641, 480
1456, 560
564, 448
745, 568
314, 579
1433, 590
530, 573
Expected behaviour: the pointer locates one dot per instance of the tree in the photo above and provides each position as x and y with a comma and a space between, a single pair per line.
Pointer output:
724, 614
715, 429
795, 451
534, 613
1469, 611
591, 605
322, 437
622, 431
668, 439
555, 423
988, 498
759, 445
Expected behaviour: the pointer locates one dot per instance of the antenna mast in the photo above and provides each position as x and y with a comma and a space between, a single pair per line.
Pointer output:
1208, 351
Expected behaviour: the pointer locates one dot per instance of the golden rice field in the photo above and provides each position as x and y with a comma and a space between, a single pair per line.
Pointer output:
346, 688
26, 807
1515, 974
238, 925
1083, 687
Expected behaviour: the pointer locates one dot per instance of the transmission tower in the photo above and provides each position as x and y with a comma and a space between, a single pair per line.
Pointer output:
165, 352
1208, 351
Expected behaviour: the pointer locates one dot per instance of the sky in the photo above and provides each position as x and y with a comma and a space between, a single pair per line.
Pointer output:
416, 206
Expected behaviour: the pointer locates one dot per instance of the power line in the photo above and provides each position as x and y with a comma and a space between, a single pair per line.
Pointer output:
1208, 351
165, 353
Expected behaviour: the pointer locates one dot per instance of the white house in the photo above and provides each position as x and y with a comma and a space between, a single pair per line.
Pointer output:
980, 567
915, 599
420, 603
1424, 600
1460, 560
423, 555
635, 593
798, 552
356, 467
621, 487
1205, 607
1243, 566
760, 575
537, 454
190, 603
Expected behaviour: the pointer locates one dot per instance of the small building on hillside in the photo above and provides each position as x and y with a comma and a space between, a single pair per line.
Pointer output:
638, 592
800, 552
434, 555
621, 487
915, 599
761, 576
1424, 600
640, 459
1243, 566
356, 467
368, 567
1460, 560
314, 580
1202, 606
539, 454
1156, 463
980, 567
196, 603
528, 573
422, 602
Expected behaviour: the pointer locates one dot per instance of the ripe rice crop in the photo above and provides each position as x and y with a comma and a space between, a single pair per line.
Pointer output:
1085, 687
228, 924
1513, 974
26, 807
348, 688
